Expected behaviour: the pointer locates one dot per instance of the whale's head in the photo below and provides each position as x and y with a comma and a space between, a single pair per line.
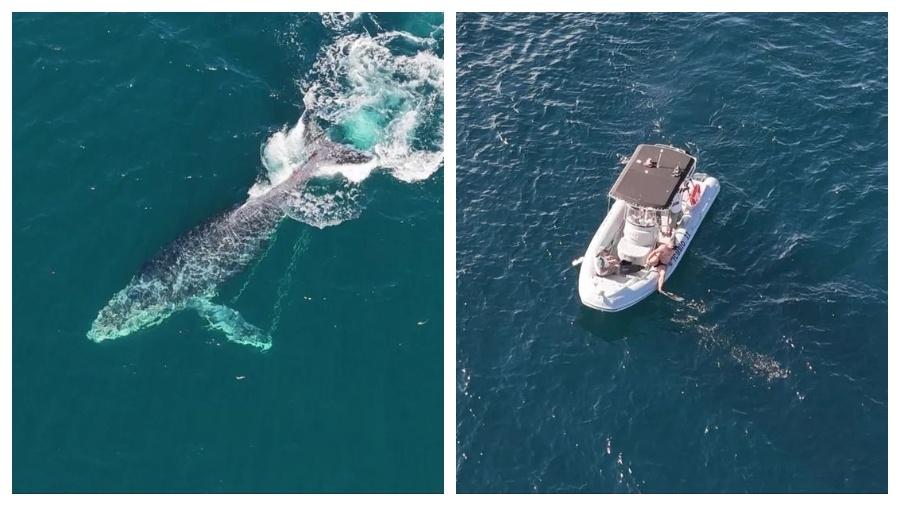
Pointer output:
137, 306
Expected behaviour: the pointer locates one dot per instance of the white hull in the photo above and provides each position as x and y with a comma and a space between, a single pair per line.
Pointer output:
617, 292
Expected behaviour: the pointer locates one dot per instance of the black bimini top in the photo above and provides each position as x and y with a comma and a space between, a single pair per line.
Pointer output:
652, 184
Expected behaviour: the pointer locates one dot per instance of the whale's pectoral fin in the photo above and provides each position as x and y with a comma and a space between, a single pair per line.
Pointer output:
232, 324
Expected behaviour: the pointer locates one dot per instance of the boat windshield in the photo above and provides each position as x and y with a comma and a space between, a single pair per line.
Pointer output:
642, 217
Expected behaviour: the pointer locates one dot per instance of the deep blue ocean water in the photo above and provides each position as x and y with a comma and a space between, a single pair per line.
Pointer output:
771, 376
129, 130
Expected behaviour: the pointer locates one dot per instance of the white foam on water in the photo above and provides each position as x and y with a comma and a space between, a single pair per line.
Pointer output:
338, 21
388, 104
360, 81
281, 155
407, 164
325, 209
355, 173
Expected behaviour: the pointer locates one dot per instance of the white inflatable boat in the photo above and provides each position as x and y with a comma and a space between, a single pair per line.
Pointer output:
657, 193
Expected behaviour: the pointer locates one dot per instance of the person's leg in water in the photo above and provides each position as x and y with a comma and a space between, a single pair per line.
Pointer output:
661, 273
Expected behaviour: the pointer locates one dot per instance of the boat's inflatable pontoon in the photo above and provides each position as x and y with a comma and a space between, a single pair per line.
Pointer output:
658, 193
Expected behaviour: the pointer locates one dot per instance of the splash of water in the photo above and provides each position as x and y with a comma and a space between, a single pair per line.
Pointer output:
383, 93
281, 155
380, 93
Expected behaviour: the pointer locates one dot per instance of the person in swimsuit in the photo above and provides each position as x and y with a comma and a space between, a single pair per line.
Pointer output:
660, 257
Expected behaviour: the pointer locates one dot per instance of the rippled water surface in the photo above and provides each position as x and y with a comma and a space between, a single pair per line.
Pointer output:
128, 131
771, 374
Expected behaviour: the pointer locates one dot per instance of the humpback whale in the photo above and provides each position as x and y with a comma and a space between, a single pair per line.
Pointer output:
186, 273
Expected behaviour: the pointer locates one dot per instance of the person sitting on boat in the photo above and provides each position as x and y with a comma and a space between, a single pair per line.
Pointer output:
660, 257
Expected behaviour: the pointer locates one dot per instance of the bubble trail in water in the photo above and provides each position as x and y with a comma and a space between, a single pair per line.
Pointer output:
252, 273
758, 365
286, 281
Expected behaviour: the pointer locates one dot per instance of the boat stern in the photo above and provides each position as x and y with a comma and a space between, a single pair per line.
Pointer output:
603, 294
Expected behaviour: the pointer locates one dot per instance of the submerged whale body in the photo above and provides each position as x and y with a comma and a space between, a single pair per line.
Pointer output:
187, 272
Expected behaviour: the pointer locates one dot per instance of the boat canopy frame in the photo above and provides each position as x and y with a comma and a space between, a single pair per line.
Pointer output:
654, 174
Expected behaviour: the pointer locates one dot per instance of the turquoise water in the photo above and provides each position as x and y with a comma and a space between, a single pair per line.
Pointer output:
130, 130
771, 374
